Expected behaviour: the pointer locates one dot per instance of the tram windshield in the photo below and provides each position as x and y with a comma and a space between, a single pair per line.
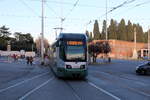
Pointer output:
75, 53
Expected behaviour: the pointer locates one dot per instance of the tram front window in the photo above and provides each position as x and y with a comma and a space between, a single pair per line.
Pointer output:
75, 53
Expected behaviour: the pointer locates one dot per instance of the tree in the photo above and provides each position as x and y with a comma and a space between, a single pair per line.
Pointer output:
139, 33
94, 50
90, 37
23, 37
106, 48
38, 44
112, 30
104, 30
23, 42
4, 32
122, 30
97, 48
130, 31
145, 37
96, 32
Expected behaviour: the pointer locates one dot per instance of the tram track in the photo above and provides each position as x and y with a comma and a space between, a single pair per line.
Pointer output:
73, 90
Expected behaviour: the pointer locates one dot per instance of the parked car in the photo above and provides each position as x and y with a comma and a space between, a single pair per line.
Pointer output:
143, 69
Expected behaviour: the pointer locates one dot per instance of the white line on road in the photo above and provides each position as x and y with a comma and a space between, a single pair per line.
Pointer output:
38, 87
104, 91
2, 90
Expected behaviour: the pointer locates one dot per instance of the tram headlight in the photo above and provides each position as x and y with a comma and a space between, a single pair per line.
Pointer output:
68, 66
82, 66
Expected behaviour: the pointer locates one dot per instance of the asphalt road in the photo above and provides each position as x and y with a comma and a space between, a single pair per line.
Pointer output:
115, 81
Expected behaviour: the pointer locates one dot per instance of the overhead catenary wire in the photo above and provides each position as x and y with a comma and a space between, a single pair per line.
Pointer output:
70, 4
53, 11
71, 10
121, 5
25, 4
114, 8
131, 8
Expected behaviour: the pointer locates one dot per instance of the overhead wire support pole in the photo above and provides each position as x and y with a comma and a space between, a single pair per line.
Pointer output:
42, 33
148, 43
106, 22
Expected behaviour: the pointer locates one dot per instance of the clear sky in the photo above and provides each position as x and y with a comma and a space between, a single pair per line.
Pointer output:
24, 15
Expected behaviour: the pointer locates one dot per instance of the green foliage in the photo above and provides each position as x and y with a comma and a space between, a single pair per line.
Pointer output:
104, 30
21, 41
96, 31
4, 32
122, 31
119, 31
100, 47
130, 31
112, 30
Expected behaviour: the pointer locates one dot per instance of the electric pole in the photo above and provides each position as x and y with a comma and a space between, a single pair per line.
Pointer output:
134, 50
42, 33
106, 22
149, 44
135, 38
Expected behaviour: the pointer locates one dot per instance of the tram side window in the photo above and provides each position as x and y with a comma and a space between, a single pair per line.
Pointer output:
62, 52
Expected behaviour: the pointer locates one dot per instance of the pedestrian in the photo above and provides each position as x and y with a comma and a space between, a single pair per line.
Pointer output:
27, 60
31, 60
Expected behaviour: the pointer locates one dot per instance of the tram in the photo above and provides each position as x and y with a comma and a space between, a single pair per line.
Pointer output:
69, 55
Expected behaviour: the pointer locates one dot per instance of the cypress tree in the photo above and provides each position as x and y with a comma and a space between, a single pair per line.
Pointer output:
139, 33
122, 30
96, 31
112, 30
104, 30
130, 31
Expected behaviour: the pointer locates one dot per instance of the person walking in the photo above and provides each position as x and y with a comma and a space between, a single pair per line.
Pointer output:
31, 60
27, 60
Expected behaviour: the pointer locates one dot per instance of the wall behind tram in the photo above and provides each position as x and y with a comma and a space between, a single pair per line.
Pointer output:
122, 49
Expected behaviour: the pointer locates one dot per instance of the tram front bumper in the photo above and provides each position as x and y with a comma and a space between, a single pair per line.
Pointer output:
74, 72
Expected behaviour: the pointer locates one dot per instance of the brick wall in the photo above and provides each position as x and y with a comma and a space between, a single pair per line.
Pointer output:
123, 49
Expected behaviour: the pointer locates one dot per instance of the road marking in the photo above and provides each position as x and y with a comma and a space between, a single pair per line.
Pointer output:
74, 92
138, 91
104, 91
38, 87
2, 90
127, 87
141, 83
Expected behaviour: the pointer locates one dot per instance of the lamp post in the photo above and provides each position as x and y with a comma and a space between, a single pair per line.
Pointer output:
42, 33
148, 44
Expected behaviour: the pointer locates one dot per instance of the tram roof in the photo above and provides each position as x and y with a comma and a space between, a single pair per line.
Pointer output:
72, 36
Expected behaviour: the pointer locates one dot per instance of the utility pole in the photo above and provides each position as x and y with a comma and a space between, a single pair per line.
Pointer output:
134, 50
42, 33
149, 44
106, 22
135, 38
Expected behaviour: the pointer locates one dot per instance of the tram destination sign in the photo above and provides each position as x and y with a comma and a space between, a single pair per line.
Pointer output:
74, 43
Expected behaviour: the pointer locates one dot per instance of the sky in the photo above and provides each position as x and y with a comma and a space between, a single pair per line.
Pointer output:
25, 15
